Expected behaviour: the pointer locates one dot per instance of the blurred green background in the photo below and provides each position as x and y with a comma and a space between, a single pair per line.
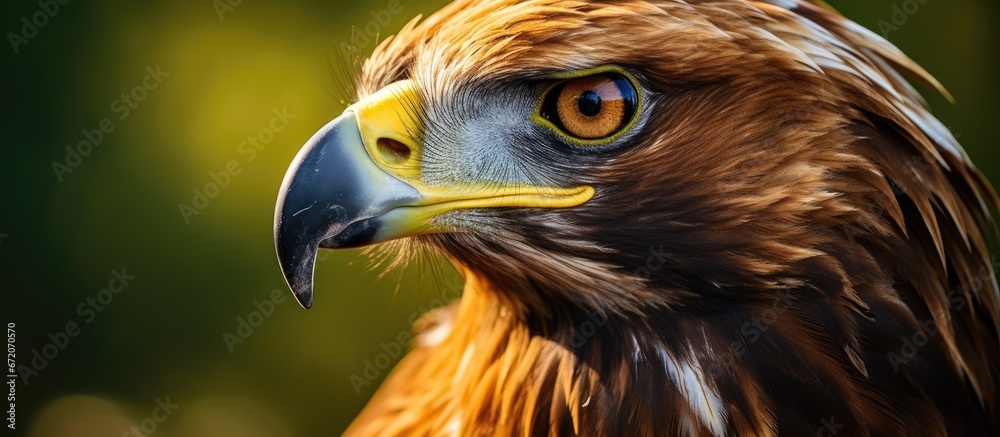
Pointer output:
162, 337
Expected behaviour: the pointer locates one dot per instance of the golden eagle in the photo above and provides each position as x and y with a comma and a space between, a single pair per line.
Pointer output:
700, 217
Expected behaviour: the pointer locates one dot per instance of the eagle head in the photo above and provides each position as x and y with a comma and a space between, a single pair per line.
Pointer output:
746, 199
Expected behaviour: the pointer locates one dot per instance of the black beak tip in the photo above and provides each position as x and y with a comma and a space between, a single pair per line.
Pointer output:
305, 298
298, 272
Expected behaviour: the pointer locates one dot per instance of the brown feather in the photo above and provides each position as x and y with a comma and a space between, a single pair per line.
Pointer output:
808, 213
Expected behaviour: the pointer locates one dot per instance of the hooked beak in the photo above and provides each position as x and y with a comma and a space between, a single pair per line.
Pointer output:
332, 196
357, 182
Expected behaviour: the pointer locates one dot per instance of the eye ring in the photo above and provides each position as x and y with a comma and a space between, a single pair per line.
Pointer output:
592, 109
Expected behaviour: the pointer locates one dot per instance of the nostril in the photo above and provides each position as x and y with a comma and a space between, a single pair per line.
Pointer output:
394, 150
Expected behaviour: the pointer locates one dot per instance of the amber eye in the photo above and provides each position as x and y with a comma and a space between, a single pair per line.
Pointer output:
591, 107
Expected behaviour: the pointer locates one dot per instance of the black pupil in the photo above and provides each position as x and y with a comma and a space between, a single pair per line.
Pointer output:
589, 103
